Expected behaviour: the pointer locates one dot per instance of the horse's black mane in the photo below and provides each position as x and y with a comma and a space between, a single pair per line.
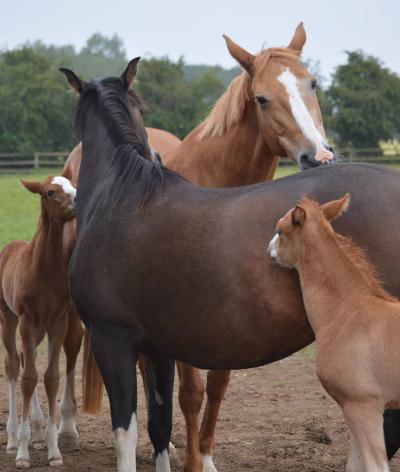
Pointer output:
127, 160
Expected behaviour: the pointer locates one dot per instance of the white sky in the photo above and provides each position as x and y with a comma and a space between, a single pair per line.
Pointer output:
194, 28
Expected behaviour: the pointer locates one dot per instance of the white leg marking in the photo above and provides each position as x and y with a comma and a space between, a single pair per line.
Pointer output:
208, 464
37, 420
354, 462
54, 454
162, 462
24, 436
302, 115
12, 422
68, 407
125, 446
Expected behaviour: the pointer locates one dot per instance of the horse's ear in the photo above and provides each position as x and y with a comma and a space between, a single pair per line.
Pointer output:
129, 73
67, 172
299, 38
34, 187
74, 81
244, 58
299, 216
335, 208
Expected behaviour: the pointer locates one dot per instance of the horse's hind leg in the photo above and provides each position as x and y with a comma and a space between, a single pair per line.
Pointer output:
160, 380
365, 422
116, 355
9, 323
217, 383
68, 433
56, 335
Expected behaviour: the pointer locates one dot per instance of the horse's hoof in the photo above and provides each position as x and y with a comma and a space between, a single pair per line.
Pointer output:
69, 441
56, 462
22, 463
38, 445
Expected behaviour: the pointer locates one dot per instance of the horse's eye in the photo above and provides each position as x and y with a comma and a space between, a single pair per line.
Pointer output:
262, 101
314, 84
278, 232
50, 193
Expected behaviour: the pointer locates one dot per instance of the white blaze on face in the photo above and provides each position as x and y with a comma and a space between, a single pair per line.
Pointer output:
66, 185
125, 446
273, 247
302, 116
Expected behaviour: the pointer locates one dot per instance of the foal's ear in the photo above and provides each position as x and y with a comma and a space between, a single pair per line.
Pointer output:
67, 173
335, 208
74, 81
34, 187
244, 58
299, 216
129, 73
299, 38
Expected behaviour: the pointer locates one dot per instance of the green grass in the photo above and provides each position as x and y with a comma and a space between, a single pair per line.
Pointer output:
19, 209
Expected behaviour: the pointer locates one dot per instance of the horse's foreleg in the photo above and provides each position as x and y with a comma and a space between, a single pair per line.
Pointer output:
72, 345
365, 422
160, 380
29, 338
37, 420
116, 355
354, 462
191, 393
217, 383
9, 323
56, 335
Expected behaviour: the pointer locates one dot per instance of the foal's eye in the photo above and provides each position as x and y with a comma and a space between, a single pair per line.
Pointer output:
278, 232
314, 84
262, 101
50, 193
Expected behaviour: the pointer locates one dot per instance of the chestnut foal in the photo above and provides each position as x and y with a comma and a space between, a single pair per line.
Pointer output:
34, 292
356, 324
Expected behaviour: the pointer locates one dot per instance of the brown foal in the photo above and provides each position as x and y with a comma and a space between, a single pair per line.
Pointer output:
34, 293
355, 321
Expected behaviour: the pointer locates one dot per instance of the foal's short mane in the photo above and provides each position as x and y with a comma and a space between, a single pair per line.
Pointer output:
229, 108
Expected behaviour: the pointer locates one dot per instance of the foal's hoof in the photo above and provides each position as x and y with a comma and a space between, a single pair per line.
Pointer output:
56, 462
68, 441
22, 463
38, 445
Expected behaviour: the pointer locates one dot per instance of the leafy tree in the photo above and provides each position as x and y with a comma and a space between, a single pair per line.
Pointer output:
36, 112
365, 100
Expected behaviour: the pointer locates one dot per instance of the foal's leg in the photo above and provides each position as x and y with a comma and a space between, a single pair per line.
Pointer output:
37, 421
9, 323
29, 337
217, 383
116, 356
354, 462
160, 378
191, 393
72, 345
366, 424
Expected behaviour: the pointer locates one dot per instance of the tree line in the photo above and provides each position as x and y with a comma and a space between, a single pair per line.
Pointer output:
360, 106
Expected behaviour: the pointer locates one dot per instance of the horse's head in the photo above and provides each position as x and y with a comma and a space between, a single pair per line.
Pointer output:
109, 91
57, 196
286, 104
304, 223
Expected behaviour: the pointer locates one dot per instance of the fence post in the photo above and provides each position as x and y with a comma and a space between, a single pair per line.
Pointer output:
36, 160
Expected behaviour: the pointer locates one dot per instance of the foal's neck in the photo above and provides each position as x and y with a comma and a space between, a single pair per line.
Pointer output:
331, 283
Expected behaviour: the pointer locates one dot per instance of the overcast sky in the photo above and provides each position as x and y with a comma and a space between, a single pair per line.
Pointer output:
193, 29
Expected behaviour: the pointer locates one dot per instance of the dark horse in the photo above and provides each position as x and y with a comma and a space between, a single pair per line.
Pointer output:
176, 271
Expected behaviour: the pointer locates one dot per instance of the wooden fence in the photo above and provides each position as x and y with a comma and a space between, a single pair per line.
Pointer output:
16, 162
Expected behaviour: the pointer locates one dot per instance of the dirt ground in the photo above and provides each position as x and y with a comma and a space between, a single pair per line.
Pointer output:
275, 418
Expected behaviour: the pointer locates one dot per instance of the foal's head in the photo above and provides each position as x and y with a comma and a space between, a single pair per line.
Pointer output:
57, 196
308, 221
286, 104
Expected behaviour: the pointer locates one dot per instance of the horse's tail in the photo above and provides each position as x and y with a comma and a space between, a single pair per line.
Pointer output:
92, 383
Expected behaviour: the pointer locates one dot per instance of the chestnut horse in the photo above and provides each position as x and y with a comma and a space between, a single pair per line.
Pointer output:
355, 321
34, 292
256, 120
140, 288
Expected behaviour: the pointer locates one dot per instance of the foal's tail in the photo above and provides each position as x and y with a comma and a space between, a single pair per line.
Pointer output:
92, 383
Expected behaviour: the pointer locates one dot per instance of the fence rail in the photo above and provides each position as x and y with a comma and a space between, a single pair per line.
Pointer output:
15, 162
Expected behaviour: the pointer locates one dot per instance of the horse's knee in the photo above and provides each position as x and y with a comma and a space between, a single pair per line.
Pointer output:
191, 393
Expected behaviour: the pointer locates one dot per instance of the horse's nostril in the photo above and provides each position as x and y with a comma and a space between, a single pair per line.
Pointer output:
304, 160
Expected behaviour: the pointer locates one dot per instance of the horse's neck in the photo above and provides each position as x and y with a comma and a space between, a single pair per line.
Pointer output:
330, 282
239, 157
47, 245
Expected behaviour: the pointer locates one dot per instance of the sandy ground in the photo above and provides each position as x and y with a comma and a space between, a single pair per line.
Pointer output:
275, 418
